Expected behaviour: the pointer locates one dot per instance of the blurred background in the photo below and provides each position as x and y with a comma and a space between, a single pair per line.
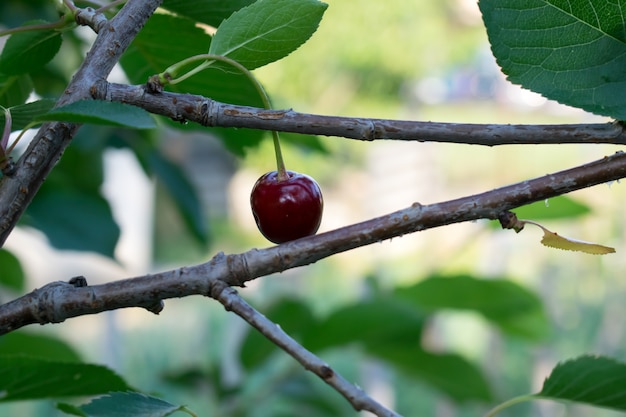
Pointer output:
399, 59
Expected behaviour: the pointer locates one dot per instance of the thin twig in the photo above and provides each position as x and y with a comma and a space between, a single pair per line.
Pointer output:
355, 395
207, 112
59, 301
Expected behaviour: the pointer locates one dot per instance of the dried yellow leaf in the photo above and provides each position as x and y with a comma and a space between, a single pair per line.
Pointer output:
554, 240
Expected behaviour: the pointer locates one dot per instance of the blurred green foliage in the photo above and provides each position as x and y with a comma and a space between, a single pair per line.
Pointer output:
414, 327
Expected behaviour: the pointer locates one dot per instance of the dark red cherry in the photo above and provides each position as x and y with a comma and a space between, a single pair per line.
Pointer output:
286, 209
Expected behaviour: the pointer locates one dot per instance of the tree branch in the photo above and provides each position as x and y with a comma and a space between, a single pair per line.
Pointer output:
207, 112
95, 19
359, 399
57, 301
18, 189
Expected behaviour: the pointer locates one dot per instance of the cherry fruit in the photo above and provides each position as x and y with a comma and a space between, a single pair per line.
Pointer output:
286, 209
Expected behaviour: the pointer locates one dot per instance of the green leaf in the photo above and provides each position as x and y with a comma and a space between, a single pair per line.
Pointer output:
170, 176
183, 194
126, 404
100, 112
167, 39
22, 115
561, 207
14, 89
267, 31
571, 52
293, 316
557, 208
163, 41
304, 142
50, 81
191, 376
74, 220
69, 208
303, 396
513, 308
175, 182
37, 346
378, 321
593, 380
24, 378
449, 373
11, 273
211, 12
70, 409
29, 51
81, 167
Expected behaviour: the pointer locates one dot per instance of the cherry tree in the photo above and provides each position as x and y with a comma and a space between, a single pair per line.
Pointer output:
191, 65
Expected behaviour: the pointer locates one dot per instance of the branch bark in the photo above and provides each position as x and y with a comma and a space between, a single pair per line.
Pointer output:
59, 301
18, 189
359, 399
207, 112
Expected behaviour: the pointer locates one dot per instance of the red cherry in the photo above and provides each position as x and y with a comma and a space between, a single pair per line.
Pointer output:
286, 209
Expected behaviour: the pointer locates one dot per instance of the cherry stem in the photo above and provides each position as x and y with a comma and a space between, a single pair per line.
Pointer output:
167, 77
280, 163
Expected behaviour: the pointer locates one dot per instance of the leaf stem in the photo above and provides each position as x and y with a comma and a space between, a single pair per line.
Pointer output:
110, 6
55, 25
17, 139
509, 403
6, 132
188, 411
168, 77
69, 5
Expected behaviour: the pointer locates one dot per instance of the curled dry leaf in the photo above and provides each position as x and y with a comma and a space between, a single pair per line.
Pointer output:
554, 240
